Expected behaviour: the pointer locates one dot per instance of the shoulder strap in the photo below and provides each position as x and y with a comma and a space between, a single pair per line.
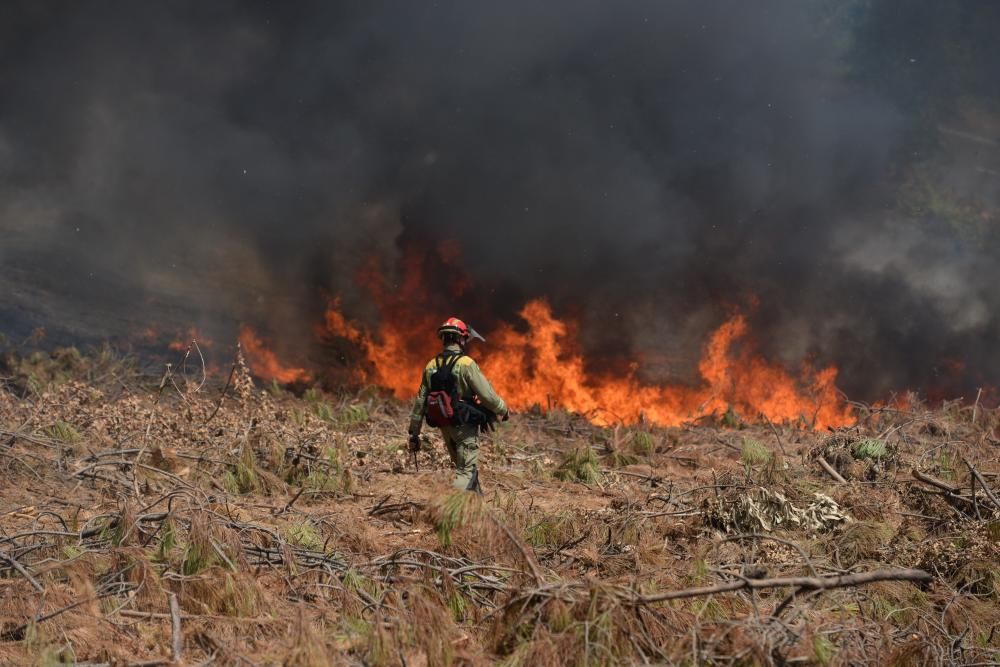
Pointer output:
448, 359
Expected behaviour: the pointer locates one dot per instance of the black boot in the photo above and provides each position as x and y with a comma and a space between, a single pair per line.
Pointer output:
474, 482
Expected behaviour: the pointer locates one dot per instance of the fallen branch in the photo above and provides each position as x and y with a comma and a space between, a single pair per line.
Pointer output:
927, 479
651, 478
951, 492
20, 568
176, 638
567, 545
396, 507
159, 615
982, 482
529, 560
292, 501
831, 470
803, 583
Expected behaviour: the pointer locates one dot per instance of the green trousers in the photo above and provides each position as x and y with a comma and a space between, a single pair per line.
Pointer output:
463, 448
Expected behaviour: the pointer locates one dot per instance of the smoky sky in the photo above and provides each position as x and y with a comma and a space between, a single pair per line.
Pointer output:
646, 165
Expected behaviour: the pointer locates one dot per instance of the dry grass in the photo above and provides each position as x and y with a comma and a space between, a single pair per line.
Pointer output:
294, 531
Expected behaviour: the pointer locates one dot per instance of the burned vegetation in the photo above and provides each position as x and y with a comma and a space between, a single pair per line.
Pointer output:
189, 517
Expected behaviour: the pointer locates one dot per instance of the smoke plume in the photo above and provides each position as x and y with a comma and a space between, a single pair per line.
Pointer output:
646, 166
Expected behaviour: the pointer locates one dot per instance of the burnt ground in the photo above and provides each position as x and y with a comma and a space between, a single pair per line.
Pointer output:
294, 530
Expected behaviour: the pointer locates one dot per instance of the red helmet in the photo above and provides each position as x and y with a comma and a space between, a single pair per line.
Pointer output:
457, 326
454, 325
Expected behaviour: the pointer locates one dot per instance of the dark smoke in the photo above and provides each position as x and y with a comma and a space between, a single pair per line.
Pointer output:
646, 165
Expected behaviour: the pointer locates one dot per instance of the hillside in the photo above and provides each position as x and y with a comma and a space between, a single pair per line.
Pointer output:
294, 530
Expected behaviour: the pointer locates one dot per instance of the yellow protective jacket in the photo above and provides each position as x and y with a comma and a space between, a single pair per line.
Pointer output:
471, 384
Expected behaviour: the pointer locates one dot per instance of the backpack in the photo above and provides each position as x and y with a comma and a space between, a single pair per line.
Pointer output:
442, 396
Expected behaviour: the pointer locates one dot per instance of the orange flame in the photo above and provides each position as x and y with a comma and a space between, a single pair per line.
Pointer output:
181, 341
264, 363
545, 367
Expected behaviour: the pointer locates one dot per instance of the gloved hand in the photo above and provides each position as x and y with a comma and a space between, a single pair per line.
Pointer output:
414, 443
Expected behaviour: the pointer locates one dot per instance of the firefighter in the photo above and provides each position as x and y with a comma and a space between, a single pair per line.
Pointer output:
456, 397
